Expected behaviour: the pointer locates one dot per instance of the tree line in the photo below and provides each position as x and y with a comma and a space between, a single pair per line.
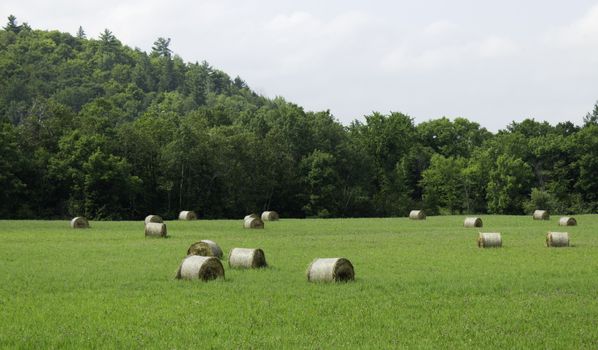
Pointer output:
93, 127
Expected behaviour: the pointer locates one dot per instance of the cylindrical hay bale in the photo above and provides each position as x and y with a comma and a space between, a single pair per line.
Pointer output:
557, 239
153, 218
205, 268
155, 229
79, 222
330, 270
247, 258
489, 240
253, 223
567, 221
187, 215
205, 247
250, 216
270, 216
417, 215
473, 222
541, 215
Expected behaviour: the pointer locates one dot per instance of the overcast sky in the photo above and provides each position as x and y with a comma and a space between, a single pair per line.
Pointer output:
489, 61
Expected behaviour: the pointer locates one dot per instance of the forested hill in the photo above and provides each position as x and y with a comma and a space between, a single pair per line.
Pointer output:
92, 127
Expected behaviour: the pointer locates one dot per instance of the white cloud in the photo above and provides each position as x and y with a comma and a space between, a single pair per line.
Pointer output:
348, 23
310, 28
582, 32
296, 21
301, 41
497, 47
409, 57
440, 28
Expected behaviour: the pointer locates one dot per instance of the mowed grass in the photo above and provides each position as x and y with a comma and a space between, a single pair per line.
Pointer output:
419, 284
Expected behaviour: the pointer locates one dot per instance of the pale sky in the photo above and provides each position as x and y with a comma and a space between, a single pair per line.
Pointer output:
489, 61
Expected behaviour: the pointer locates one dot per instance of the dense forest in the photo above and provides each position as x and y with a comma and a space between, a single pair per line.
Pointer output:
93, 127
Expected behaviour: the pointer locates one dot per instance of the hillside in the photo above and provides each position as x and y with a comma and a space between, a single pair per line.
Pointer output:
93, 127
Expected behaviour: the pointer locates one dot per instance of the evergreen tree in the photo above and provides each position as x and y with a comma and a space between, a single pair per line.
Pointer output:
108, 40
81, 34
161, 48
12, 26
591, 118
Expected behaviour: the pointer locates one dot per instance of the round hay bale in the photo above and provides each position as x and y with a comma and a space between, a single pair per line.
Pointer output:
330, 270
153, 218
541, 215
187, 215
253, 223
247, 258
250, 216
270, 216
557, 239
473, 222
489, 240
205, 268
205, 247
417, 215
155, 229
567, 221
79, 222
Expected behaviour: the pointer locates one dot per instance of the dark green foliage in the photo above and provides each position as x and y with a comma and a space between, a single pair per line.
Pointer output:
443, 184
11, 163
160, 47
452, 139
508, 187
592, 118
92, 127
12, 26
541, 200
586, 147
81, 33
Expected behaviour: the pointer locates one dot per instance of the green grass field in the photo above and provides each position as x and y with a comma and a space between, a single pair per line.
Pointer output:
419, 284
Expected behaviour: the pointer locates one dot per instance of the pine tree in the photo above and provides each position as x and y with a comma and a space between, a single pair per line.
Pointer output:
81, 34
591, 118
160, 47
12, 25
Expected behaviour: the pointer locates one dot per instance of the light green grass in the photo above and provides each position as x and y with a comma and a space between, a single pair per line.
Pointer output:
419, 284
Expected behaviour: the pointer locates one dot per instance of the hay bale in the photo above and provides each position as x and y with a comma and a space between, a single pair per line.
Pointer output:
270, 216
247, 258
541, 215
557, 239
187, 215
489, 240
205, 247
79, 222
567, 221
153, 218
330, 270
253, 223
417, 215
473, 222
205, 268
250, 216
155, 229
